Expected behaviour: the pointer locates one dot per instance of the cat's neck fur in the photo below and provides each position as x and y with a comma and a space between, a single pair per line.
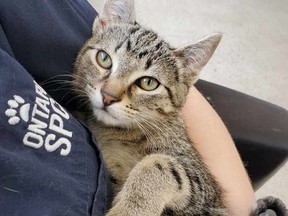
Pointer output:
158, 133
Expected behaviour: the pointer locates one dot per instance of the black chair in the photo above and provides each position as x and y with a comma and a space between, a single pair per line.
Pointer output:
259, 129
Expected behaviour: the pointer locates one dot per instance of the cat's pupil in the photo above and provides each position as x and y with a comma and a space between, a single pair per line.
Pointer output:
104, 56
148, 81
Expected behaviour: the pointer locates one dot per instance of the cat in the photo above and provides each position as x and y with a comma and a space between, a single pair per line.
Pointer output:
136, 84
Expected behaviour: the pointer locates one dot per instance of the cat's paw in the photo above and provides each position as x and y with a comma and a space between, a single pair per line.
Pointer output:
17, 110
270, 206
115, 212
123, 209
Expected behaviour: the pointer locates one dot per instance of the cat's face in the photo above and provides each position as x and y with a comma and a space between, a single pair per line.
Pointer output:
130, 75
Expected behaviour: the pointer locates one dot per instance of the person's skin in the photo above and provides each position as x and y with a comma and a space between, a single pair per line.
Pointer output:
215, 145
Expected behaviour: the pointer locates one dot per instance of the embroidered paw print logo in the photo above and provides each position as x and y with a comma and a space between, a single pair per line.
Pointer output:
17, 110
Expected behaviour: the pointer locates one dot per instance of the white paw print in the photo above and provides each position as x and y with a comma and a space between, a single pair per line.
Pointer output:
17, 104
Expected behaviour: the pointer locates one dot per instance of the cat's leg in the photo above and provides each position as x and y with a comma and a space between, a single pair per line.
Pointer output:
155, 183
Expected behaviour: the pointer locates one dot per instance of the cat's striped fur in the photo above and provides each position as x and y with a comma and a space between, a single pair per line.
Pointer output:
153, 165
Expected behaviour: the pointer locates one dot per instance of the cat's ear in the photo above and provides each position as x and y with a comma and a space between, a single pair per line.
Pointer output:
116, 11
194, 57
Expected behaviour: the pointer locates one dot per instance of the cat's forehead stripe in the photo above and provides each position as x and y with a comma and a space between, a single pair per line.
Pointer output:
141, 36
134, 30
145, 44
148, 64
128, 47
171, 96
121, 43
143, 53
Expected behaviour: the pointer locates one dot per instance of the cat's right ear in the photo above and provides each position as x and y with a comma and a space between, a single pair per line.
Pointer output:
115, 11
195, 56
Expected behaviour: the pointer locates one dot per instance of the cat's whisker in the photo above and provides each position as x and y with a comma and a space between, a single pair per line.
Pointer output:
58, 83
90, 117
150, 121
53, 78
155, 124
136, 119
144, 130
60, 78
67, 84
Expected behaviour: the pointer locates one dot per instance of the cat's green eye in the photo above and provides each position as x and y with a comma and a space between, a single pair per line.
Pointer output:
148, 83
103, 59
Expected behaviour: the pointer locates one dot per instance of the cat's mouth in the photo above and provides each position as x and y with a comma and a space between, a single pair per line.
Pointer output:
104, 108
100, 108
104, 111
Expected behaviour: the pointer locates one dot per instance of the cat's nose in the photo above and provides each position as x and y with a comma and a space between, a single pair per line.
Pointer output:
108, 98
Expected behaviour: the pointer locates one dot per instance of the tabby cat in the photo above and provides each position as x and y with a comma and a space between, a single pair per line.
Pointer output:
136, 84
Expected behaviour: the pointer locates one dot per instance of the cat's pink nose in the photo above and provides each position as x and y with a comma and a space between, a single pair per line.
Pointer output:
108, 99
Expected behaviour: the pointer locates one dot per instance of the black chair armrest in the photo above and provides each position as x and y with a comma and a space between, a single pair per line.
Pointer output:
259, 128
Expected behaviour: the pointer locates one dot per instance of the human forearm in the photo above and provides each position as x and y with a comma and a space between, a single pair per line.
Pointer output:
218, 151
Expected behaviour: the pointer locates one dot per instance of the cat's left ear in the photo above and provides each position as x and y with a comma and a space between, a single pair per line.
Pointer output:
116, 11
194, 57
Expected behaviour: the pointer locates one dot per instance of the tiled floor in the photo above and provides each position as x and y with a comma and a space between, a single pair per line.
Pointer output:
252, 57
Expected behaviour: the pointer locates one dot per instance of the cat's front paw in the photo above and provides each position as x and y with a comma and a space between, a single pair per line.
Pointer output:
115, 211
269, 206
128, 209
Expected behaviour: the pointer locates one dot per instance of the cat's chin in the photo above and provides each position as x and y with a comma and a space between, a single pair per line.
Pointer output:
110, 120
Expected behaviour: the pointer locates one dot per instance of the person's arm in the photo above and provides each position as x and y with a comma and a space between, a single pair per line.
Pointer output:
215, 145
